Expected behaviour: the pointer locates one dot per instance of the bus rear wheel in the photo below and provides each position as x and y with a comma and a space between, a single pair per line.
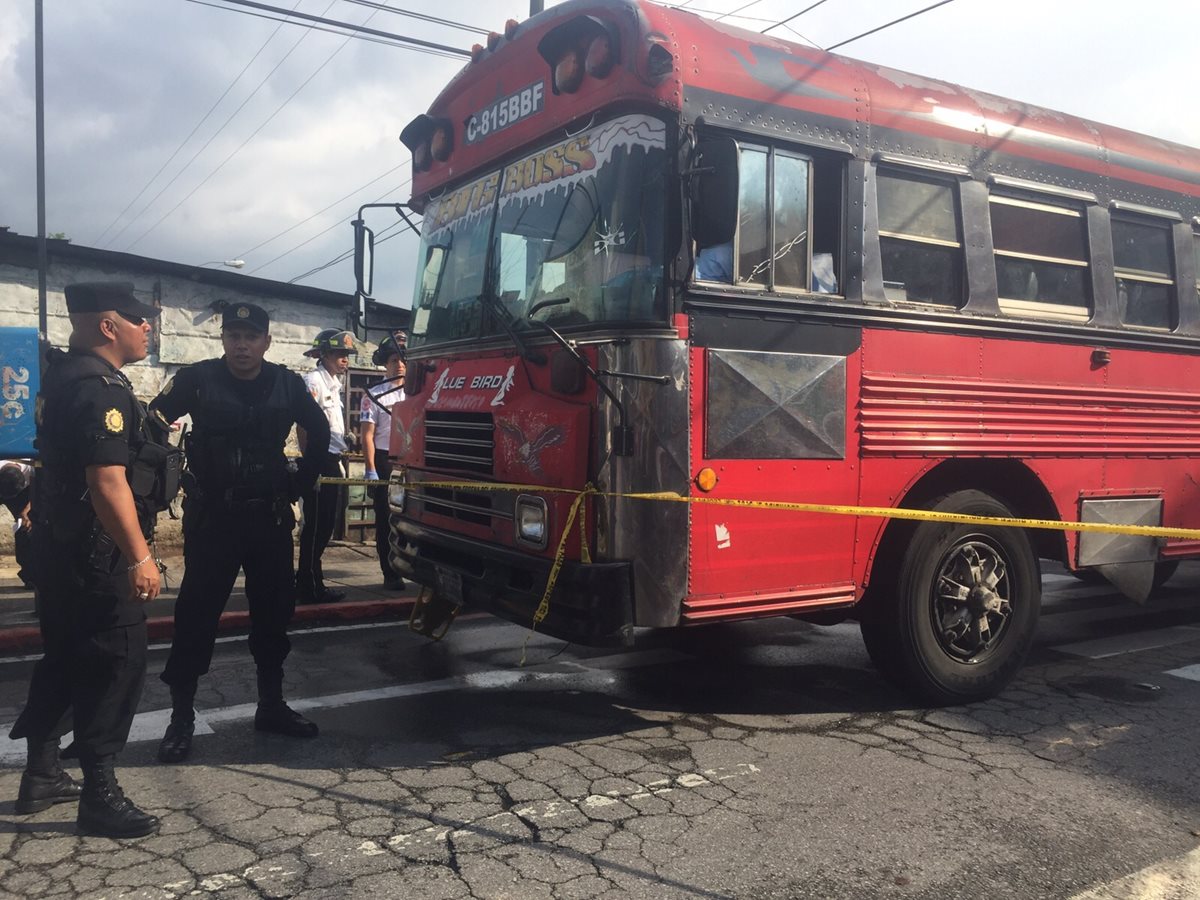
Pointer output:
965, 607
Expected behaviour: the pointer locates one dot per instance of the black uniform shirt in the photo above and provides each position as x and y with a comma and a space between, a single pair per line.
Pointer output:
182, 395
84, 421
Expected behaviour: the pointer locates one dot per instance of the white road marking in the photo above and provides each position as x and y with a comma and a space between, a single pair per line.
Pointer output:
1102, 648
238, 638
1192, 673
149, 726
1171, 879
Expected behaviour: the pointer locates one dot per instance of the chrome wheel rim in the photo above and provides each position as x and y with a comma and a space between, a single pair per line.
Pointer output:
971, 606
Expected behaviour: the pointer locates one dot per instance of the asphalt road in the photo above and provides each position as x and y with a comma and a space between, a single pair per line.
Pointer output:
759, 760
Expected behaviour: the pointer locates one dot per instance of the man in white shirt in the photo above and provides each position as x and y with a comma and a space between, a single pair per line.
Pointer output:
376, 423
332, 349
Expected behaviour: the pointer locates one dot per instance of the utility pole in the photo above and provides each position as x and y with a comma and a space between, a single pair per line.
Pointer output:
39, 103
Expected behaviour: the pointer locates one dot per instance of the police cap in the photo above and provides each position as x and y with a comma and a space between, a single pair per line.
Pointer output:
246, 315
100, 296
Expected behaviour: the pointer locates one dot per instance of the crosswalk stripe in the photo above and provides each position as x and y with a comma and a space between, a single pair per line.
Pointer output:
1102, 648
1171, 879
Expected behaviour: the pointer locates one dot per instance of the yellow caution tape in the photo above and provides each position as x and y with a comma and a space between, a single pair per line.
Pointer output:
884, 512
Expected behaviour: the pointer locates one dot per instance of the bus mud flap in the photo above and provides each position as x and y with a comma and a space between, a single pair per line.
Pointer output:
1133, 579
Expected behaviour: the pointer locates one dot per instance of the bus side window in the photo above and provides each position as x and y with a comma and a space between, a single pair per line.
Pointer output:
920, 239
1196, 268
1041, 258
1145, 273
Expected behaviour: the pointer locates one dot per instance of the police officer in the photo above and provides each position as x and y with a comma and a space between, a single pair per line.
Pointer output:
237, 515
95, 498
332, 349
375, 421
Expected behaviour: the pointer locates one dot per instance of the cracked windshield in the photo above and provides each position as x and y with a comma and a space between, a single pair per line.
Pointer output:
571, 235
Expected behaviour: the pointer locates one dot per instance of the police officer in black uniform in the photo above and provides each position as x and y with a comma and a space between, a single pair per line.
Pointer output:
104, 477
237, 515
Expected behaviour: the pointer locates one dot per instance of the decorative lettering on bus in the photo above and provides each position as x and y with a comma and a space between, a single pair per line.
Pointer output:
563, 161
505, 112
466, 200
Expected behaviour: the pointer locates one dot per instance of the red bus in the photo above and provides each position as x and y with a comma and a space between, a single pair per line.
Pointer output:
663, 254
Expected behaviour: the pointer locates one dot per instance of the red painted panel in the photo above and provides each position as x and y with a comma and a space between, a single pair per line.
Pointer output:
739, 556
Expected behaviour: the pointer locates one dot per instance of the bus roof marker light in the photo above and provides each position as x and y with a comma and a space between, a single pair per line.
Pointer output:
600, 56
510, 28
568, 73
476, 52
493, 40
442, 142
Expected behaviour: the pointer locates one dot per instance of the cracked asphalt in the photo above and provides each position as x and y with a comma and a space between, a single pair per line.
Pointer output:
761, 760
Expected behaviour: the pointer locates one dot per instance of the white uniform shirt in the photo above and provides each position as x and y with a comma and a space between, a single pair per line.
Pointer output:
388, 394
326, 389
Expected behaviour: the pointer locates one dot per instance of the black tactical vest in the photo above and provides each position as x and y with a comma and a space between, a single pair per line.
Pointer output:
235, 450
61, 500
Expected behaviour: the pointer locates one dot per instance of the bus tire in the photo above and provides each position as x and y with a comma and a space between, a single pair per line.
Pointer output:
966, 605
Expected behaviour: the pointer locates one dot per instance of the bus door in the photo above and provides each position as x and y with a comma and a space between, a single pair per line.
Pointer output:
770, 409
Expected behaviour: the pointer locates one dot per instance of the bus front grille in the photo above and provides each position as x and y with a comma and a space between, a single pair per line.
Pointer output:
459, 442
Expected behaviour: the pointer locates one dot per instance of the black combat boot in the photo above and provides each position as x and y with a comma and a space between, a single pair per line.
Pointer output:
176, 744
104, 810
44, 783
276, 716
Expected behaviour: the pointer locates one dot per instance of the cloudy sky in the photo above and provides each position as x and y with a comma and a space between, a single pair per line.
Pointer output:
192, 133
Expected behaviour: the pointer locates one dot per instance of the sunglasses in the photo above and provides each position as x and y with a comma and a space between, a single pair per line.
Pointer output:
133, 320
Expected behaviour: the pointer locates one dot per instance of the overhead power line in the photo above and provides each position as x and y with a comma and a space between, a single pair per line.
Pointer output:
792, 18
738, 10
215, 4
212, 137
889, 24
253, 134
192, 133
342, 257
357, 29
450, 23
291, 228
323, 231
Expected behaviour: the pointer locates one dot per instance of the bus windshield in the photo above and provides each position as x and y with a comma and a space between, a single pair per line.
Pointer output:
578, 223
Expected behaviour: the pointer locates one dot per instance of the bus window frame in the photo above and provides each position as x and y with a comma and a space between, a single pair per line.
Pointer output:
815, 167
946, 176
1165, 224
1051, 202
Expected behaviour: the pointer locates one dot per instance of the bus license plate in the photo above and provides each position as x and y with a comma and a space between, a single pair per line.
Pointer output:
449, 586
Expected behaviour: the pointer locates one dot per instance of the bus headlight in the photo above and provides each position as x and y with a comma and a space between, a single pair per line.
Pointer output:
397, 494
529, 519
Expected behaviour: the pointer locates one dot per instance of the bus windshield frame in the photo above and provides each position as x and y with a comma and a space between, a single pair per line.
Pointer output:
573, 233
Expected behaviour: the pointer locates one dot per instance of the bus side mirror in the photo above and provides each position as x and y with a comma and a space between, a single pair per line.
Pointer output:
714, 191
364, 257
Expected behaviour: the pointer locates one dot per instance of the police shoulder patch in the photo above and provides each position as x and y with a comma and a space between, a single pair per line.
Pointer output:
168, 386
114, 421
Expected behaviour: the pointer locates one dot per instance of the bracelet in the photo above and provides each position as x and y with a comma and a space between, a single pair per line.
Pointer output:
141, 562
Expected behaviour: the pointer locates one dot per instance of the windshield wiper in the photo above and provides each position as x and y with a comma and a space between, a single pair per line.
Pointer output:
622, 437
505, 319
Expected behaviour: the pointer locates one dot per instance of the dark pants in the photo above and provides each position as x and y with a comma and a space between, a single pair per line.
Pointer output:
217, 544
22, 551
321, 507
379, 499
93, 665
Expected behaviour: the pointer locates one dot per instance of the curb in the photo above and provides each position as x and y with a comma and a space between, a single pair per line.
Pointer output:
29, 638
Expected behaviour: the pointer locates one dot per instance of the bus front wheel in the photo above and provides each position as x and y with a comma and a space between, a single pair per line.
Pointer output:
965, 606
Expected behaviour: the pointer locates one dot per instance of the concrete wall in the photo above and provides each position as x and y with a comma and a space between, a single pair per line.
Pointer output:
188, 330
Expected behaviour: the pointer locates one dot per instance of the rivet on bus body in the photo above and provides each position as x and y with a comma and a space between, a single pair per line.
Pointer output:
706, 479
